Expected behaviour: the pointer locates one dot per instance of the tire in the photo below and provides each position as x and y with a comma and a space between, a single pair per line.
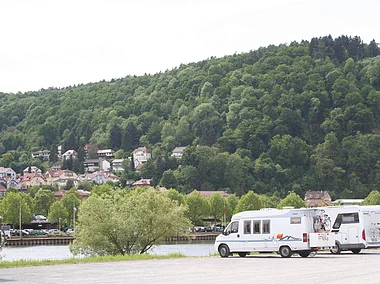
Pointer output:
242, 254
224, 251
356, 251
304, 253
335, 250
285, 251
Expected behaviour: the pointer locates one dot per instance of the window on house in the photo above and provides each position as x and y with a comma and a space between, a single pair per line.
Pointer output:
247, 227
266, 226
256, 227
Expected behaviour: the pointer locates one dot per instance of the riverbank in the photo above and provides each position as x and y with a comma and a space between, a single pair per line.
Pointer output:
44, 241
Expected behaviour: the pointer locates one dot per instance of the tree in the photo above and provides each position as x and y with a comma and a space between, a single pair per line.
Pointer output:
58, 214
13, 205
71, 201
197, 207
249, 201
292, 200
217, 204
373, 198
42, 202
126, 224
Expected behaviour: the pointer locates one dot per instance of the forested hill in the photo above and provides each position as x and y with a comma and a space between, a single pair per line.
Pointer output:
297, 117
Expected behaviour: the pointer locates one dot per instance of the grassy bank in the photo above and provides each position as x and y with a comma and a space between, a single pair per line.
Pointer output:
22, 263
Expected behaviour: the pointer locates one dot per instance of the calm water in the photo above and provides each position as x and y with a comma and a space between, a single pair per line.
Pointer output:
62, 252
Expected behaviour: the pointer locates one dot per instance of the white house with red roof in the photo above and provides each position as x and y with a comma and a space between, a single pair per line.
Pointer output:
7, 173
9, 182
32, 169
69, 153
142, 182
31, 179
60, 177
99, 177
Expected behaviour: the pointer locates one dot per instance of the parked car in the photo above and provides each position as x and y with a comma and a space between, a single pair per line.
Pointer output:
17, 233
54, 232
37, 233
69, 231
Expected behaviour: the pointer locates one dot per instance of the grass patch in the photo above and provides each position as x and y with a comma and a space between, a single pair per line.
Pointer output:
22, 263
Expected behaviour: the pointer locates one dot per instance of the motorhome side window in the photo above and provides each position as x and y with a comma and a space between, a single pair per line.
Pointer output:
256, 227
295, 220
266, 226
247, 227
346, 218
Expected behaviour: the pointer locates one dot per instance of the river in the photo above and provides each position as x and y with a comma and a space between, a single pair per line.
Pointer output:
63, 252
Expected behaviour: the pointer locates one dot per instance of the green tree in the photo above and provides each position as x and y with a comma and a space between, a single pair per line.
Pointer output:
13, 205
197, 207
249, 201
292, 200
58, 214
42, 201
217, 204
71, 201
373, 198
116, 224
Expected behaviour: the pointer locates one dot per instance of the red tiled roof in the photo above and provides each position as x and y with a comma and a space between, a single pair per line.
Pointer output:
2, 188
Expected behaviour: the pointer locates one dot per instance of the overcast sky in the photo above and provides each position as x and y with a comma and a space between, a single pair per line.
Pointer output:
51, 43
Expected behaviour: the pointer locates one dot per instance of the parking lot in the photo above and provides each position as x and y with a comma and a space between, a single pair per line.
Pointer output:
325, 268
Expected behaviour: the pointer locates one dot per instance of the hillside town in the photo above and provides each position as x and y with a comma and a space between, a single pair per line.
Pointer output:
105, 168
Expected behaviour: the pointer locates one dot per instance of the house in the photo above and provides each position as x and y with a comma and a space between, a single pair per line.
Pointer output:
99, 177
3, 190
207, 193
116, 165
8, 182
92, 165
317, 198
69, 154
140, 156
56, 166
106, 153
60, 177
142, 182
177, 152
31, 179
7, 173
44, 154
32, 169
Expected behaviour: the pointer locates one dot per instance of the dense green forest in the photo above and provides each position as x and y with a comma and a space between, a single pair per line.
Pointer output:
279, 119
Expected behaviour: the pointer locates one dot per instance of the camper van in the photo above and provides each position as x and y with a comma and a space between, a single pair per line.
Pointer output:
355, 227
285, 231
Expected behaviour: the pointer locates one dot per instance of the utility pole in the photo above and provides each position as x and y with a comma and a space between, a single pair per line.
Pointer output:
20, 218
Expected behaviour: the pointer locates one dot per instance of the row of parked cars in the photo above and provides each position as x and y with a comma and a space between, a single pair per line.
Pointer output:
42, 232
208, 229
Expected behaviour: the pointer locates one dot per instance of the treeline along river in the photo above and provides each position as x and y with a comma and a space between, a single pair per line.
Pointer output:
204, 248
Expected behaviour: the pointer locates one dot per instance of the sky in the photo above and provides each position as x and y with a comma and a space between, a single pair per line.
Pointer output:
52, 43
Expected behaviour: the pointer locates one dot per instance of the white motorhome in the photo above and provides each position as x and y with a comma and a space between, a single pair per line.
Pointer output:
285, 231
355, 227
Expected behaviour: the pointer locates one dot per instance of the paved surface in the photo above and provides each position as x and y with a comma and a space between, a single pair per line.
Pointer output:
324, 268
